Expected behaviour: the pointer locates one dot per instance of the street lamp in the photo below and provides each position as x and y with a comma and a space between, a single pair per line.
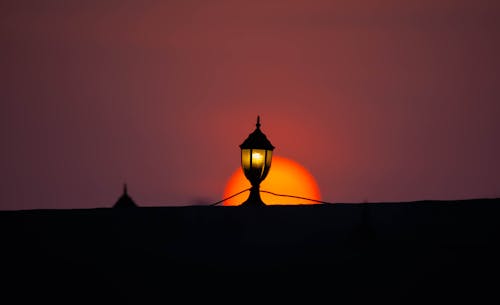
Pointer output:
256, 156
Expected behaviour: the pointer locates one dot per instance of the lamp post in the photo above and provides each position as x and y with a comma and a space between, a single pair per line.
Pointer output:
256, 156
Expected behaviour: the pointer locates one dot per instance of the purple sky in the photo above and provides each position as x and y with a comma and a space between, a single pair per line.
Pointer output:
379, 100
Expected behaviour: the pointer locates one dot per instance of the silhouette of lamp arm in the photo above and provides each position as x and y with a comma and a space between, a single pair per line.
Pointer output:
256, 157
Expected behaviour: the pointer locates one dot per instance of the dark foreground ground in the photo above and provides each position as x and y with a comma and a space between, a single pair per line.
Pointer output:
420, 252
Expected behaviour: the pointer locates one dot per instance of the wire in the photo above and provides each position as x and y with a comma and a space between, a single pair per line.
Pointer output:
216, 203
298, 197
272, 193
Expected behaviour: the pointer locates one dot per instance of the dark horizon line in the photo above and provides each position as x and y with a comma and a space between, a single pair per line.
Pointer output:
267, 206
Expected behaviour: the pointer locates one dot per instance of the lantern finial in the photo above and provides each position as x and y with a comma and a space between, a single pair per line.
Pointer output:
258, 122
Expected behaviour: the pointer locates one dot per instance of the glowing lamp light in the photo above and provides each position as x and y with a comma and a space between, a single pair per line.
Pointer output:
256, 157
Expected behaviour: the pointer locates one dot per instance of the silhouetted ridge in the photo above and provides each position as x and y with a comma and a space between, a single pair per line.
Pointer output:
438, 252
125, 201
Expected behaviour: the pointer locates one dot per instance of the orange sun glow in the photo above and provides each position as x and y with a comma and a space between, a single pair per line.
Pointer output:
285, 177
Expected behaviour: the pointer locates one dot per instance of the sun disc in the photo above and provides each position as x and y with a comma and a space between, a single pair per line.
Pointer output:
285, 177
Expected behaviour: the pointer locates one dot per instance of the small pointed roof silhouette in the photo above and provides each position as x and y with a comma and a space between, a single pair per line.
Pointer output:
125, 201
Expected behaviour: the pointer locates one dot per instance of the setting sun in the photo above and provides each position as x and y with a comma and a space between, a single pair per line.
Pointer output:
285, 177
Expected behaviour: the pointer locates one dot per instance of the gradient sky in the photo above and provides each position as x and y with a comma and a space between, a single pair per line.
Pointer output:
380, 100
